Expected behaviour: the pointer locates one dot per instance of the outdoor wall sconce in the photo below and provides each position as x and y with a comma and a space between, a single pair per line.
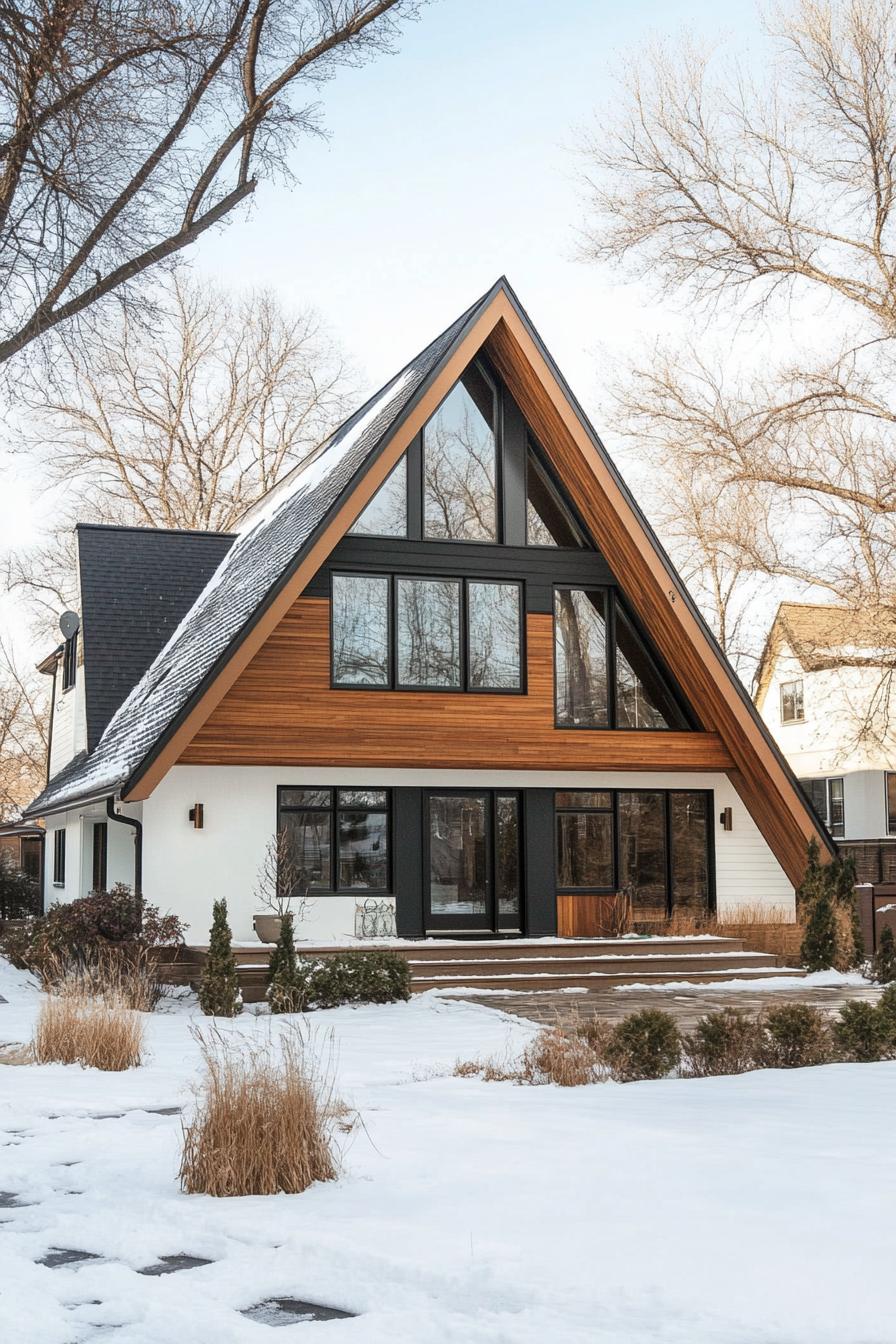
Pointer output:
725, 819
197, 816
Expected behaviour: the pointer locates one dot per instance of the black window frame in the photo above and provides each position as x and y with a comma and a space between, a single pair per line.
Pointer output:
492, 921
707, 794
100, 856
70, 662
418, 509
542, 464
890, 814
463, 581
797, 718
611, 598
333, 810
826, 818
59, 857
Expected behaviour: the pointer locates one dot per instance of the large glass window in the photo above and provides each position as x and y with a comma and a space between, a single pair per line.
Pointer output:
585, 841
642, 698
360, 632
507, 857
335, 839
653, 844
891, 804
580, 631
387, 513
428, 632
689, 839
460, 463
458, 854
642, 851
825, 797
548, 520
494, 635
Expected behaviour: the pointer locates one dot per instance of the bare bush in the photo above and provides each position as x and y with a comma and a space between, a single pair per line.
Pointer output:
264, 1117
118, 976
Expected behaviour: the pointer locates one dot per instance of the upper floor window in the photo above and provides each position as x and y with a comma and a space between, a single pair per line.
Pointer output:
426, 633
548, 520
460, 496
386, 515
792, 701
826, 800
69, 662
605, 676
891, 804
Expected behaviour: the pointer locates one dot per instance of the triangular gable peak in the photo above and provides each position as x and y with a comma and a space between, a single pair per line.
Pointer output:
498, 328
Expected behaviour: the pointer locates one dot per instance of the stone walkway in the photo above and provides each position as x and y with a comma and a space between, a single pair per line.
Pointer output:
686, 1006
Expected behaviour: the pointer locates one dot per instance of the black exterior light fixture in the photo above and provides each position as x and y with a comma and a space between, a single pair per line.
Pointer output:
726, 820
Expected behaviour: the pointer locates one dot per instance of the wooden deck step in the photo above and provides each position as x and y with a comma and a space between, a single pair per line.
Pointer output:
530, 983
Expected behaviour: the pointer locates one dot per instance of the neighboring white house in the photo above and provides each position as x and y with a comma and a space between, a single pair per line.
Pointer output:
824, 691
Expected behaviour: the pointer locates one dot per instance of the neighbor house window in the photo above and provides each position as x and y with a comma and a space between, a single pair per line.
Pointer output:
792, 702
100, 852
70, 662
387, 513
826, 800
336, 839
427, 633
460, 497
605, 676
59, 858
891, 804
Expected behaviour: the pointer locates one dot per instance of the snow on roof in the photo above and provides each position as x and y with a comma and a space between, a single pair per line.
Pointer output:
270, 546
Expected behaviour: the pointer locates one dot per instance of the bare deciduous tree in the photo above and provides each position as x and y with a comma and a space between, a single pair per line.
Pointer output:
130, 127
734, 196
188, 422
23, 740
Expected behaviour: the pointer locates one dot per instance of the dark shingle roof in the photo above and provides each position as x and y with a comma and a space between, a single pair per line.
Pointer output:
137, 584
250, 575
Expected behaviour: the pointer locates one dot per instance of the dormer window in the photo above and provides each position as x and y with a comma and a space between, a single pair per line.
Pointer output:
792, 702
70, 662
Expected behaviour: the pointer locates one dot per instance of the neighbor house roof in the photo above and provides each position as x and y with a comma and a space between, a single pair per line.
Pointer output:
825, 636
253, 566
137, 584
290, 534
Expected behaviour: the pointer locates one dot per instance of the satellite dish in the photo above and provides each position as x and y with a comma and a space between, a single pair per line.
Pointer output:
69, 623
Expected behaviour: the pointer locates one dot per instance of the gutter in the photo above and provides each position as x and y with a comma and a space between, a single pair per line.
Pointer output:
138, 841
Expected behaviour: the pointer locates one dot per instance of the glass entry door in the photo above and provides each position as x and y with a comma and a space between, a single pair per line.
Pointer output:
472, 861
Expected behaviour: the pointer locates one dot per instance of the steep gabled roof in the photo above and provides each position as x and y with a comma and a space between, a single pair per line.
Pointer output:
262, 556
292, 532
136, 585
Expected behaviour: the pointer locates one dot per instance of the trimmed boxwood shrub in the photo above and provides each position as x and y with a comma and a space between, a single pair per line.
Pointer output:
722, 1043
794, 1036
644, 1045
300, 983
884, 966
863, 1032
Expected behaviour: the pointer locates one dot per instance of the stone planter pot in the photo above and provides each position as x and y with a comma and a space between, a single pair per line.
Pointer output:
267, 927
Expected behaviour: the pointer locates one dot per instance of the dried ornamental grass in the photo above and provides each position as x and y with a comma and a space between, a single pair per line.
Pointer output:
264, 1118
119, 976
76, 1029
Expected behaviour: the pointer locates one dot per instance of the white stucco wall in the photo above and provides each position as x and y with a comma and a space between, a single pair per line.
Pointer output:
78, 826
185, 869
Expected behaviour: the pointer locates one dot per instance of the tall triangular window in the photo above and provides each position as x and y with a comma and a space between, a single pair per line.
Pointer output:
643, 698
549, 521
386, 515
460, 497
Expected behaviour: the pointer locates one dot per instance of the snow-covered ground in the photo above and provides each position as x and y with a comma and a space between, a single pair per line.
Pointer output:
749, 1210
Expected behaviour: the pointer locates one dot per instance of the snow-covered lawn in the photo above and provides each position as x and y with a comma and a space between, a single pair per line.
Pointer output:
720, 1211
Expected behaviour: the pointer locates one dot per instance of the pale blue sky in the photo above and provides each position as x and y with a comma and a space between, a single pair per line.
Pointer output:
447, 164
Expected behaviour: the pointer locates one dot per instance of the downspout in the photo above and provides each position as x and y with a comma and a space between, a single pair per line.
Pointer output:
138, 842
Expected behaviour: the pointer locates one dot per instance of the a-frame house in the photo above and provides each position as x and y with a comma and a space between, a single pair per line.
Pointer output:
446, 659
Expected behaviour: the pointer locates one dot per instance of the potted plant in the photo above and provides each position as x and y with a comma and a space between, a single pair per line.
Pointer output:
281, 889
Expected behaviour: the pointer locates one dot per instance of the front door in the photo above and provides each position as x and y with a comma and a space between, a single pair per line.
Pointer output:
472, 862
